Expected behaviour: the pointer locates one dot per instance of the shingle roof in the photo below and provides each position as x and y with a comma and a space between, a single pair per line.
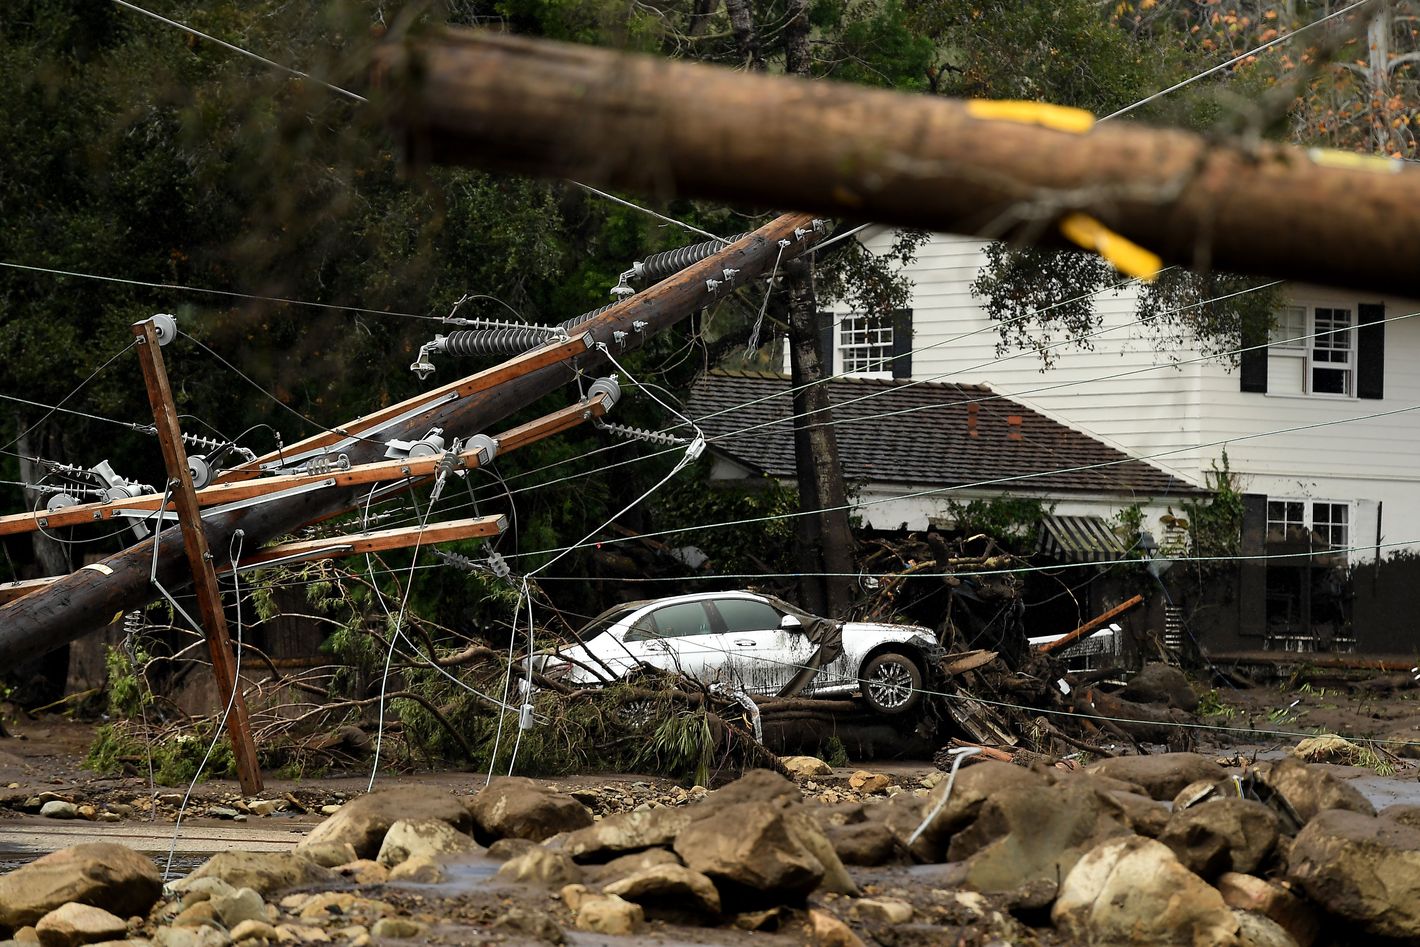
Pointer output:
921, 433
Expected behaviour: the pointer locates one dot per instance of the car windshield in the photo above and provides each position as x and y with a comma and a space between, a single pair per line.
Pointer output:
606, 619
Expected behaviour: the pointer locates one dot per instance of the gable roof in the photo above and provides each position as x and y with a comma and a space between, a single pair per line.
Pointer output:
921, 433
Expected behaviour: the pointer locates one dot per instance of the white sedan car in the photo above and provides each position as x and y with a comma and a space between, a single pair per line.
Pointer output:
751, 641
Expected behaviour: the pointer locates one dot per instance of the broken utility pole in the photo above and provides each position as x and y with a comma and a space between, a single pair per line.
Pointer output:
56, 613
994, 169
199, 556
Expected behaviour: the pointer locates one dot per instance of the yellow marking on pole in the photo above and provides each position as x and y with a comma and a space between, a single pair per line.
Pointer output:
1123, 254
1331, 158
1061, 118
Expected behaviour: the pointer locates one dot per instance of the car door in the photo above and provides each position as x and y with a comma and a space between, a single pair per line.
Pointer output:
762, 655
680, 637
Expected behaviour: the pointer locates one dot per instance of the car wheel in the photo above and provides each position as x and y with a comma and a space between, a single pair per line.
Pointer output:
891, 683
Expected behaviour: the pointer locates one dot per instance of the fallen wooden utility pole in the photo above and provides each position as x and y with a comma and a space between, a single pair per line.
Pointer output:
992, 169
1094, 624
199, 558
58, 613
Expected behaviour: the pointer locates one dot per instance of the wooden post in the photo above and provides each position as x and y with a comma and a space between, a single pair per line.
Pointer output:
1065, 641
199, 557
997, 170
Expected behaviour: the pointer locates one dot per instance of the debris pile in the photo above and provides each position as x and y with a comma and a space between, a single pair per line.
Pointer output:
1282, 853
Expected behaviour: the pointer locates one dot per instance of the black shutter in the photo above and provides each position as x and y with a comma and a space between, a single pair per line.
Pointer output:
825, 342
902, 343
1370, 350
1252, 361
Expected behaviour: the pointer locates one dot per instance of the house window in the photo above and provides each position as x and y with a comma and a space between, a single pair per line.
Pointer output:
866, 344
1311, 350
1317, 524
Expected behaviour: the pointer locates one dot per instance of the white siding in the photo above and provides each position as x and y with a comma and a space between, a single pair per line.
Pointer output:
1182, 417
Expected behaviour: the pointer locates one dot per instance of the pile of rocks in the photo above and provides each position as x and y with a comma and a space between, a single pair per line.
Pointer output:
1288, 854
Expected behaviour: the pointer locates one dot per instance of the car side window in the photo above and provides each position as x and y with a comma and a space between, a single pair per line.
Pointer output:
682, 620
746, 615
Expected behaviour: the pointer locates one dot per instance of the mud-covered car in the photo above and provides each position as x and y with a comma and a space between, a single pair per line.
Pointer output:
752, 641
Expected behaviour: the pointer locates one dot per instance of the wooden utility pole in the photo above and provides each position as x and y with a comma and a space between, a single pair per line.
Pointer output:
666, 128
199, 556
53, 615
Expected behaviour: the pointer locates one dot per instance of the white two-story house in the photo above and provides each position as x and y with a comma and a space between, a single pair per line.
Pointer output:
1320, 423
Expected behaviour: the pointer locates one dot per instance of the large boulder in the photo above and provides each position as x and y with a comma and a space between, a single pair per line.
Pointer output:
1256, 895
1363, 870
622, 833
806, 767
1146, 816
1027, 835
1161, 684
1222, 835
265, 872
974, 784
1310, 789
758, 785
514, 807
669, 891
751, 852
100, 874
862, 843
363, 822
1162, 775
1133, 890
75, 924
409, 837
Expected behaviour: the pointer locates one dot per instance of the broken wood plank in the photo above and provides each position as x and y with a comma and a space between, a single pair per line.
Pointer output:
354, 544
1089, 627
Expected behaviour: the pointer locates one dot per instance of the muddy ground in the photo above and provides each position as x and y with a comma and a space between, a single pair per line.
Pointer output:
42, 758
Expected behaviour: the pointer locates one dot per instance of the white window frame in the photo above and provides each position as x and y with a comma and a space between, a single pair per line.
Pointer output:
873, 345
1296, 335
1310, 523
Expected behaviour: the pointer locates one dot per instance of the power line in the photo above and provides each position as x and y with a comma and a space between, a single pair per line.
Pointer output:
244, 52
217, 292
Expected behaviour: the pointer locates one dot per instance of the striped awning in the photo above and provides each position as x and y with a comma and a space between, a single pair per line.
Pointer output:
1079, 539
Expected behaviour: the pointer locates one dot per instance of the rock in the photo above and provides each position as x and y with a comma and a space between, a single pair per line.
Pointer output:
534, 924
1029, 834
203, 889
201, 914
74, 924
407, 837
1311, 789
190, 937
825, 930
364, 821
242, 905
330, 854
1254, 930
266, 806
259, 931
1222, 835
1248, 893
506, 848
514, 807
864, 843
608, 914
625, 832
301, 934
363, 871
882, 910
26, 934
807, 833
541, 866
973, 786
842, 813
1134, 891
1142, 814
223, 812
866, 782
806, 767
758, 785
1161, 684
397, 928
668, 889
751, 853
330, 905
1402, 813
59, 809
100, 874
418, 870
1363, 870
265, 872
637, 861
1161, 775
